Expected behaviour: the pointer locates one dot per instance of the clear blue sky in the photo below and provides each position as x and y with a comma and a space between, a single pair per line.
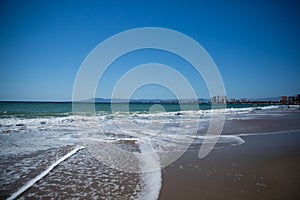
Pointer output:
255, 44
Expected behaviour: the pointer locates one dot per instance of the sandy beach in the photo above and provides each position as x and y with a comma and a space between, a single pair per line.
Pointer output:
266, 166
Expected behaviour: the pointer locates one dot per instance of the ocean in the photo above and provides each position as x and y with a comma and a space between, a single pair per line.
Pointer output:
50, 152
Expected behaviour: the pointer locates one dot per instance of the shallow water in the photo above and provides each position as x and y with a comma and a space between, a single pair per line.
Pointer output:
31, 143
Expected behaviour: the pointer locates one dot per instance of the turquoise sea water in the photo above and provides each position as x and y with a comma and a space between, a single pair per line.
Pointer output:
43, 109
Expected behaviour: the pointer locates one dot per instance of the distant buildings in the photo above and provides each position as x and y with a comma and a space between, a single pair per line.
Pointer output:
283, 99
244, 100
223, 100
291, 99
232, 101
218, 100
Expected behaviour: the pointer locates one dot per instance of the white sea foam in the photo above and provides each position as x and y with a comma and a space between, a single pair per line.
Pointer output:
43, 174
222, 140
151, 180
12, 125
268, 133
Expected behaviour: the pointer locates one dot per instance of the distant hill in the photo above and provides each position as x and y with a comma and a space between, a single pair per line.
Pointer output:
200, 100
267, 99
104, 100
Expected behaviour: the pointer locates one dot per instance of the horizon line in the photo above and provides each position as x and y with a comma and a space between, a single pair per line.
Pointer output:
139, 99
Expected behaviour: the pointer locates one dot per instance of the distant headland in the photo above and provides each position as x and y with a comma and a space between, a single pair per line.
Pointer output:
289, 100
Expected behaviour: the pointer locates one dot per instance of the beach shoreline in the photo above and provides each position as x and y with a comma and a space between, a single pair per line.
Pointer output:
257, 156
266, 166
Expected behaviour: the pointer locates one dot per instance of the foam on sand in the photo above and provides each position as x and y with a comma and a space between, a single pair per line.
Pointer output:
269, 133
152, 180
43, 174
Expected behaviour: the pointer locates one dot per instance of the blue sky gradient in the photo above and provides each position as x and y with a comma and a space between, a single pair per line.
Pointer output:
255, 44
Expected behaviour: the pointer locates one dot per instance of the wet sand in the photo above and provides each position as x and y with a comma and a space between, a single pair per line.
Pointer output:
265, 167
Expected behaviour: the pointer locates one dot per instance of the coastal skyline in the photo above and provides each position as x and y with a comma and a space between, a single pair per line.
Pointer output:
255, 45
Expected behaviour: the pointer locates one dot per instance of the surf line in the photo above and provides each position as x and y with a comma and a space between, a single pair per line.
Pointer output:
43, 174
